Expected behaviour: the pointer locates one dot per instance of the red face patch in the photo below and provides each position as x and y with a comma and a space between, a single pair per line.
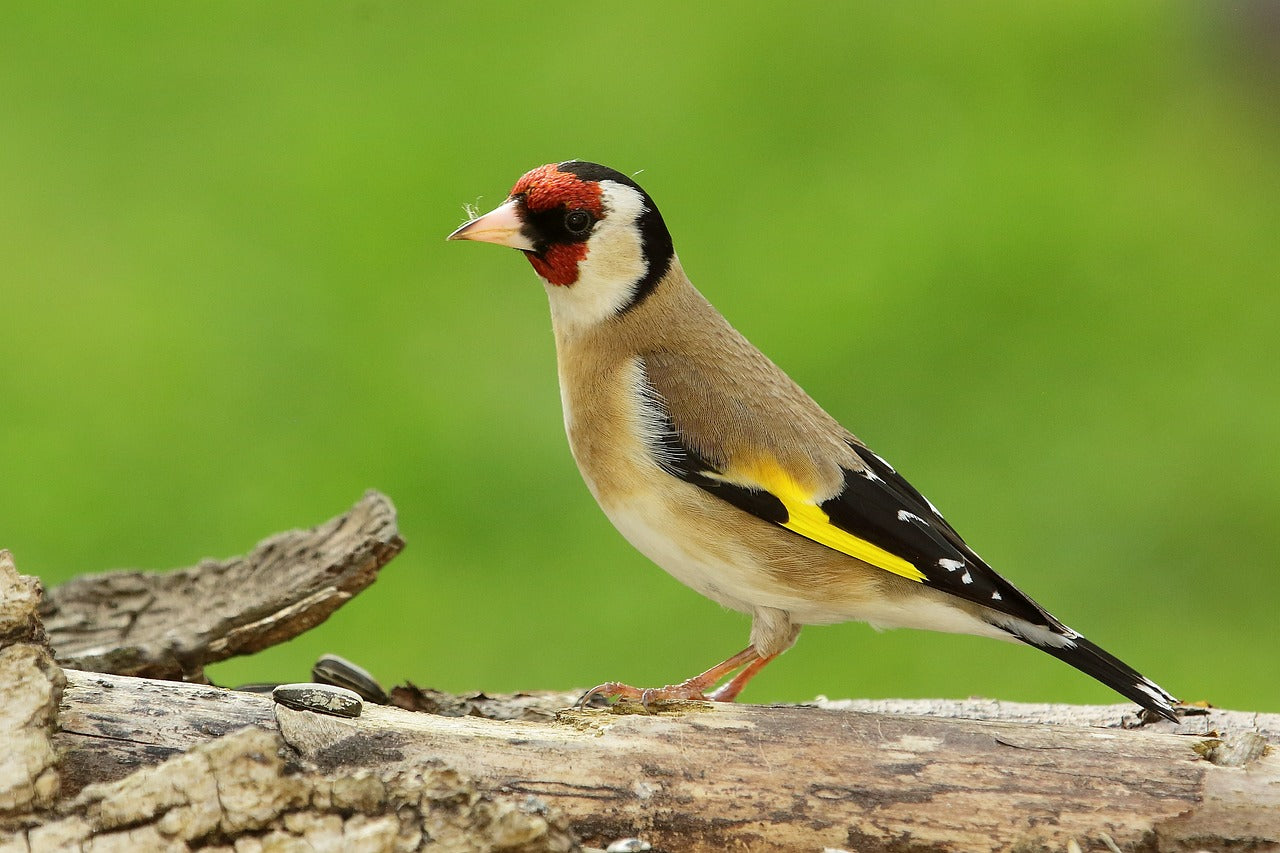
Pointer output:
559, 263
546, 188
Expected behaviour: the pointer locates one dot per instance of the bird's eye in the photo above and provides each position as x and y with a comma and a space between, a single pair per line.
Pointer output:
577, 221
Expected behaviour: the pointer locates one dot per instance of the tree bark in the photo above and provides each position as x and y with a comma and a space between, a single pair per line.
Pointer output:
703, 777
171, 624
100, 761
111, 784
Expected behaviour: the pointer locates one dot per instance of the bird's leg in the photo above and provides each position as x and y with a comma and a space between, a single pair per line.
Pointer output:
692, 688
729, 691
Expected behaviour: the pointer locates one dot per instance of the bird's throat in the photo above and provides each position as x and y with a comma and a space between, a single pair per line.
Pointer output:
559, 263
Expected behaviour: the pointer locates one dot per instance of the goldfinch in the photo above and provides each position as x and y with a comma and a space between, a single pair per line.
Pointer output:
715, 465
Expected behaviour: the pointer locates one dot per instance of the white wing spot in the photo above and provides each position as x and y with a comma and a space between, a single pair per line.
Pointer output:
892, 470
1153, 690
966, 578
996, 596
951, 565
903, 515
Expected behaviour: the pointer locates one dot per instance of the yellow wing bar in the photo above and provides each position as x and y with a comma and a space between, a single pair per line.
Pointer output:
808, 519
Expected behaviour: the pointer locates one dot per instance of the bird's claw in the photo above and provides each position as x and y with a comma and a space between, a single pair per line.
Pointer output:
646, 696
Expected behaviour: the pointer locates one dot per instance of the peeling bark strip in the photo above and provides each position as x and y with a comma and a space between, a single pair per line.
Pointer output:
699, 777
171, 624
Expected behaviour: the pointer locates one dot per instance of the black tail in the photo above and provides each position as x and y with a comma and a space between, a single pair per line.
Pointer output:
1114, 673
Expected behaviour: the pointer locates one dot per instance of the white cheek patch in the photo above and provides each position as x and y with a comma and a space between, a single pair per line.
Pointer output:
615, 262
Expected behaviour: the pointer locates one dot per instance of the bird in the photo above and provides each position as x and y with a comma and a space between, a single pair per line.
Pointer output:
714, 464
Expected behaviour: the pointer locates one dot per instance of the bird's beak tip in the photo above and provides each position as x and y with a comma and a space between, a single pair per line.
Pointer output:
502, 226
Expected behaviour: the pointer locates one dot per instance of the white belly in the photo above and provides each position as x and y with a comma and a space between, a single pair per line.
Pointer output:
646, 524
725, 571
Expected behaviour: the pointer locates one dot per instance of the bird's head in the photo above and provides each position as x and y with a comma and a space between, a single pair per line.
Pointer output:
592, 234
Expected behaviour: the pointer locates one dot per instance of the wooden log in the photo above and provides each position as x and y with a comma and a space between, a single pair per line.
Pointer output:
111, 762
244, 790
704, 777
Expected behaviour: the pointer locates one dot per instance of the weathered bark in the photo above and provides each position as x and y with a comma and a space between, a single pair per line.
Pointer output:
171, 624
696, 776
245, 790
30, 689
110, 762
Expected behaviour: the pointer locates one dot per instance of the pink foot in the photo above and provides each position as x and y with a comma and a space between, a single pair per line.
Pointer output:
687, 690
693, 689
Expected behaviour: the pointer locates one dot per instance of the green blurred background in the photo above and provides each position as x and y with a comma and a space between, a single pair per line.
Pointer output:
1028, 252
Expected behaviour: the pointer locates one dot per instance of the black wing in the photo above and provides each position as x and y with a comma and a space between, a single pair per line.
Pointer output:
879, 505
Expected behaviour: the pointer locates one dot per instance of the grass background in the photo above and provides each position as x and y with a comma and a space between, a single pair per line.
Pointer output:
1028, 252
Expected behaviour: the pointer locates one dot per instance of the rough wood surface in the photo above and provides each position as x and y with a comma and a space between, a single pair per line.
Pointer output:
30, 689
104, 762
171, 624
245, 792
233, 785
700, 777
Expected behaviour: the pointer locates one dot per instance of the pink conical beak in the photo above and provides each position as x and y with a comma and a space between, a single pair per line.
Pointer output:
501, 226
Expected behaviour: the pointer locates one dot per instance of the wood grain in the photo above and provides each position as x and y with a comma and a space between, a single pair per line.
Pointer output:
703, 777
